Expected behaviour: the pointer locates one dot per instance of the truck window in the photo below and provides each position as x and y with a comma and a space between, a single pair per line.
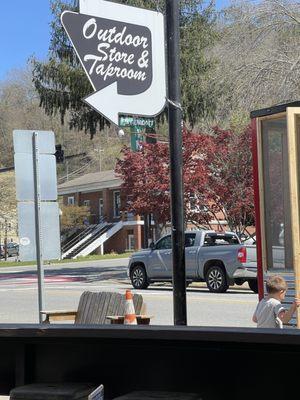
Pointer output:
190, 239
212, 239
164, 244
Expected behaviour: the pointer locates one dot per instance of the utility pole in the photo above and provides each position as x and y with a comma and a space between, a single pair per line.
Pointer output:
100, 158
67, 169
175, 137
5, 239
0, 238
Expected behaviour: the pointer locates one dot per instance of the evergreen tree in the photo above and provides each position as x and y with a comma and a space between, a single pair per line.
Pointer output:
61, 81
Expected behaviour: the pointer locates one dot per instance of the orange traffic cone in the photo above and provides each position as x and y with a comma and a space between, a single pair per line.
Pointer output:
130, 317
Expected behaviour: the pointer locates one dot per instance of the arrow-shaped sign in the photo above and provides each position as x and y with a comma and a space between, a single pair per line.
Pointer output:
121, 49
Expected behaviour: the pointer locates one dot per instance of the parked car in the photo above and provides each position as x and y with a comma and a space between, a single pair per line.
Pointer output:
12, 250
216, 258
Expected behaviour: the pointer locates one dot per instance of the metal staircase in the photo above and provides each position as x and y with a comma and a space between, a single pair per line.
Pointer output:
90, 239
98, 241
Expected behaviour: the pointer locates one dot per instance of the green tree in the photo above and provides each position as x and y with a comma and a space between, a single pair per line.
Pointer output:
73, 216
61, 82
8, 204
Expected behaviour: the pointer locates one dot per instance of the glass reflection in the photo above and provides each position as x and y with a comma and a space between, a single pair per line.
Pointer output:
277, 209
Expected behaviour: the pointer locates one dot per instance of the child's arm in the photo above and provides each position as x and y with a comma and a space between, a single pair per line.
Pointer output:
254, 317
286, 316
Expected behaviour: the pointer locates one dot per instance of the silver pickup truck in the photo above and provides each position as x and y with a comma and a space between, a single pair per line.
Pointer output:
216, 258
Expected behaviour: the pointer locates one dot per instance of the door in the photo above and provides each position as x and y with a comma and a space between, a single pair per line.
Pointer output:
160, 259
190, 255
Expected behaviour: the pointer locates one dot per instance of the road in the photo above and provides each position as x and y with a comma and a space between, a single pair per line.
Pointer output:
64, 284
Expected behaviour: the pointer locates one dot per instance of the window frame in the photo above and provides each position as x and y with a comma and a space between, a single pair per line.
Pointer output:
71, 203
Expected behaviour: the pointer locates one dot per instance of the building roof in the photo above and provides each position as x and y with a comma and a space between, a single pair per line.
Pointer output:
91, 182
279, 108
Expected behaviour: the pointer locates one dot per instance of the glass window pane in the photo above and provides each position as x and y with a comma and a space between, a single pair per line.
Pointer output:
190, 239
276, 189
164, 243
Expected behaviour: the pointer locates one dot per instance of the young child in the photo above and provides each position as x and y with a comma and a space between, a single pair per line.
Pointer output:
270, 313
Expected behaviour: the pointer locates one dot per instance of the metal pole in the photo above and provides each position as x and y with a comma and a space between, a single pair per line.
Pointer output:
67, 167
175, 137
5, 240
38, 231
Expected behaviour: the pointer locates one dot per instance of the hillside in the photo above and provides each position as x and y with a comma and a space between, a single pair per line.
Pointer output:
18, 89
8, 205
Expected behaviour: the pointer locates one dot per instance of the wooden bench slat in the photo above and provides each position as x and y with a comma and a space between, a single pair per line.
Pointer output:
85, 308
111, 307
102, 307
81, 306
59, 312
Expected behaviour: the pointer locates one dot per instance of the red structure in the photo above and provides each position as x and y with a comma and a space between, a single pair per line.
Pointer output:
257, 210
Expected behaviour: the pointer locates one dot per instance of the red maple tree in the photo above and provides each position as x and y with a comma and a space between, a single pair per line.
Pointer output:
232, 180
217, 175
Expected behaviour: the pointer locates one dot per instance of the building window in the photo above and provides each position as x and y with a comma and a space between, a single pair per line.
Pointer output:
101, 208
71, 201
117, 204
86, 203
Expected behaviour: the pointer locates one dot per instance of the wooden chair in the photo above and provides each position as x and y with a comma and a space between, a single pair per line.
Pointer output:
94, 307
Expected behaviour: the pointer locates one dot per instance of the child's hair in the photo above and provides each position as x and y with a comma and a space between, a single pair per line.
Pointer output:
275, 284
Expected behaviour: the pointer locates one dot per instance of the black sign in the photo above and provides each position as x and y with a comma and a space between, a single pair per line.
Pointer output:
112, 51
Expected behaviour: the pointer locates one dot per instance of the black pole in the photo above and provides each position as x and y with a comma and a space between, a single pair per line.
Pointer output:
175, 137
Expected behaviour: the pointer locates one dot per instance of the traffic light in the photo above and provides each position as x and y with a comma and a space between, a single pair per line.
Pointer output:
59, 154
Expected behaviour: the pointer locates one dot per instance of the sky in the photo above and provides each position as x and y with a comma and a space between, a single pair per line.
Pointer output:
25, 32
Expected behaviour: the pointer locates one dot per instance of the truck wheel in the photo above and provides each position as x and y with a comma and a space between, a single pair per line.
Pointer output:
139, 277
216, 280
253, 285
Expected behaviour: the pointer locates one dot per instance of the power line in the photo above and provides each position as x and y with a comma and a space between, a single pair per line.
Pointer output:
6, 169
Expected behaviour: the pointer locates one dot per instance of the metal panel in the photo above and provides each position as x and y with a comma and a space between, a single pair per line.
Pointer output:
24, 177
23, 141
50, 231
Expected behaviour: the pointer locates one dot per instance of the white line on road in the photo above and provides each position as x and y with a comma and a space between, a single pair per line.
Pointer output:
194, 296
